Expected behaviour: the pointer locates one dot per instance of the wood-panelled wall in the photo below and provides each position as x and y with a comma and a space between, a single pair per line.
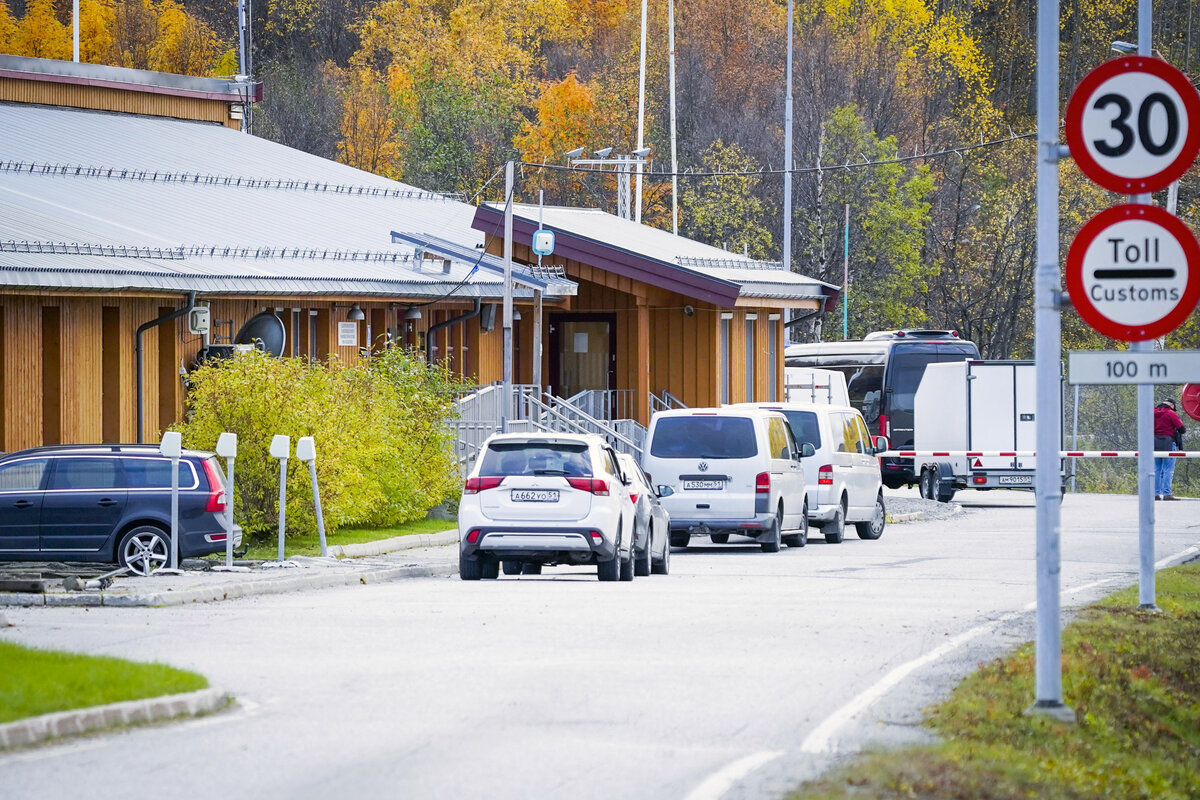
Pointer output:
103, 98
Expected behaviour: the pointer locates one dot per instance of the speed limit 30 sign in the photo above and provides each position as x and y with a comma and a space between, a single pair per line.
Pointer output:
1128, 272
1133, 124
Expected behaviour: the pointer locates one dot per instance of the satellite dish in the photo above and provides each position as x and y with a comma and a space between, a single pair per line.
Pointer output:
265, 331
1191, 400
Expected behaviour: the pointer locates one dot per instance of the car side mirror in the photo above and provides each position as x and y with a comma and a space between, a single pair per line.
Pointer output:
807, 450
880, 444
664, 491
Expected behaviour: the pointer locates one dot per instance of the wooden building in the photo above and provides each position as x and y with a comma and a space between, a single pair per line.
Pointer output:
127, 196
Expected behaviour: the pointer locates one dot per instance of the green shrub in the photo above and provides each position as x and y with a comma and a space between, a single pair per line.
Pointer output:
384, 452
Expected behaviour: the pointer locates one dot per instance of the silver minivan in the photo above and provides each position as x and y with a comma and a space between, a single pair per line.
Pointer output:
843, 478
730, 471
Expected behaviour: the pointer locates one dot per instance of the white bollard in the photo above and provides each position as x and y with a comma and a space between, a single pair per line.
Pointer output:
171, 446
227, 449
306, 451
281, 447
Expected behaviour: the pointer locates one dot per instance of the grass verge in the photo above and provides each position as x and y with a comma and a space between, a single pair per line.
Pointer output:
267, 548
1133, 679
35, 682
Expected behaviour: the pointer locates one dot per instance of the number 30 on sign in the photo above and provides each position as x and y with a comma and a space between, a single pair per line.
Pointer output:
1133, 124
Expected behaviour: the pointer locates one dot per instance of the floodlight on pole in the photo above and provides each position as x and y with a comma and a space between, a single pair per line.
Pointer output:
1126, 48
576, 153
603, 152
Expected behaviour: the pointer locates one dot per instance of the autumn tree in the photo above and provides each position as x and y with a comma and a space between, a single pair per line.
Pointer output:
40, 34
367, 129
724, 210
8, 28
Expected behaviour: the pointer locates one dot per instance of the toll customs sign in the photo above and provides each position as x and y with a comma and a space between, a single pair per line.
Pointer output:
1133, 272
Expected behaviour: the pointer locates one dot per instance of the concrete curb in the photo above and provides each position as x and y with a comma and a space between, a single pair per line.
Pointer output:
394, 544
33, 730
229, 591
917, 516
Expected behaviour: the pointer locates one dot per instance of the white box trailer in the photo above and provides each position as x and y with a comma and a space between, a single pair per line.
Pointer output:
972, 406
825, 387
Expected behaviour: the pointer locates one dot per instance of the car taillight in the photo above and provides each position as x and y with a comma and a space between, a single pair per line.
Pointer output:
596, 486
825, 475
216, 493
476, 485
883, 426
762, 483
473, 537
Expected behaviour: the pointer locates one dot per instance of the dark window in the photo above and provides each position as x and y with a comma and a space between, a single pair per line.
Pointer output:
536, 458
22, 476
704, 437
805, 427
84, 473
153, 473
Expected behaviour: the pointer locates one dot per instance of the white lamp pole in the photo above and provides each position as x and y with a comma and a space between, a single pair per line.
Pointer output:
674, 153
641, 142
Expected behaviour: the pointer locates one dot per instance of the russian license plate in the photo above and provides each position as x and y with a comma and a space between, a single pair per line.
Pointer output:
535, 495
703, 484
1016, 480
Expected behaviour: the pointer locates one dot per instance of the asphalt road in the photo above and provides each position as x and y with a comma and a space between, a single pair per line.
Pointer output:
736, 676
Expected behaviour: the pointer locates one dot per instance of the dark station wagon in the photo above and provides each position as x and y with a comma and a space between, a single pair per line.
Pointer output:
109, 503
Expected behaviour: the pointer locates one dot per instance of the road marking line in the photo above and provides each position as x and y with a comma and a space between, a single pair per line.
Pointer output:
722, 780
821, 739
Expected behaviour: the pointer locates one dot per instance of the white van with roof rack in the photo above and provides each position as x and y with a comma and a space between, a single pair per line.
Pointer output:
729, 471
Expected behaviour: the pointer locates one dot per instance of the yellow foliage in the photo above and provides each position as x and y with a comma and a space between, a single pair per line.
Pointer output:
8, 27
96, 20
368, 130
185, 45
566, 118
40, 34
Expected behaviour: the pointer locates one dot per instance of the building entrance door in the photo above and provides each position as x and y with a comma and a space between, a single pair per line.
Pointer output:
583, 352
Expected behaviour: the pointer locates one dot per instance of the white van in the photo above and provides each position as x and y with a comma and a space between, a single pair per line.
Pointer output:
816, 386
729, 471
843, 479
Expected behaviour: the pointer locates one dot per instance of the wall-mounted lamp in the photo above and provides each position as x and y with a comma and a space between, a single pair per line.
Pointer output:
412, 313
516, 314
355, 313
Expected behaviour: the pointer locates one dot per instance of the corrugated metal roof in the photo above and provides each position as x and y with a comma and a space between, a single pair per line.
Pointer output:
334, 215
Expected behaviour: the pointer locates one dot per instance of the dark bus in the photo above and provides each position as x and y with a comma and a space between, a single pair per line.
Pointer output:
882, 373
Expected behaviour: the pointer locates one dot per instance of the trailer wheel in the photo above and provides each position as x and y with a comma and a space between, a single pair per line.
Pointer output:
943, 490
926, 485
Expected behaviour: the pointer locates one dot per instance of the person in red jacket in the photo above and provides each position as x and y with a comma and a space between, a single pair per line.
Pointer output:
1168, 435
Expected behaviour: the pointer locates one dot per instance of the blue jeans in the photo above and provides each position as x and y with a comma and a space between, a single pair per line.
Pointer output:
1164, 473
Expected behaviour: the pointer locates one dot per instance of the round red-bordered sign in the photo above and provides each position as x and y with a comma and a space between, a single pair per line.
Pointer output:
1133, 124
1133, 272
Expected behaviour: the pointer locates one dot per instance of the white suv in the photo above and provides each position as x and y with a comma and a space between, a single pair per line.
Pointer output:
538, 499
730, 471
843, 478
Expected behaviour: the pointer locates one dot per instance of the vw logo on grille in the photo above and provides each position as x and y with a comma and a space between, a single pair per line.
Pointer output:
703, 467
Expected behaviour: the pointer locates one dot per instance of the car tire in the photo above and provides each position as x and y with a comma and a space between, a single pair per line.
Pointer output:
873, 528
641, 561
609, 570
531, 569
799, 539
489, 568
719, 538
835, 529
774, 541
144, 550
512, 567
926, 484
469, 569
663, 567
680, 539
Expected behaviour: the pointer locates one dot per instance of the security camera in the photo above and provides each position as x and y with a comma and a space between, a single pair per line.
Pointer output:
689, 311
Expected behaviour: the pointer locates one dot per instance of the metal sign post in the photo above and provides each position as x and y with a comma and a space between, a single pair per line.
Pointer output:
1048, 355
171, 446
306, 451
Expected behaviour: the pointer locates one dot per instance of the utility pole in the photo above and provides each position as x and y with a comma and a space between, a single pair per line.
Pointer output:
641, 142
507, 343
